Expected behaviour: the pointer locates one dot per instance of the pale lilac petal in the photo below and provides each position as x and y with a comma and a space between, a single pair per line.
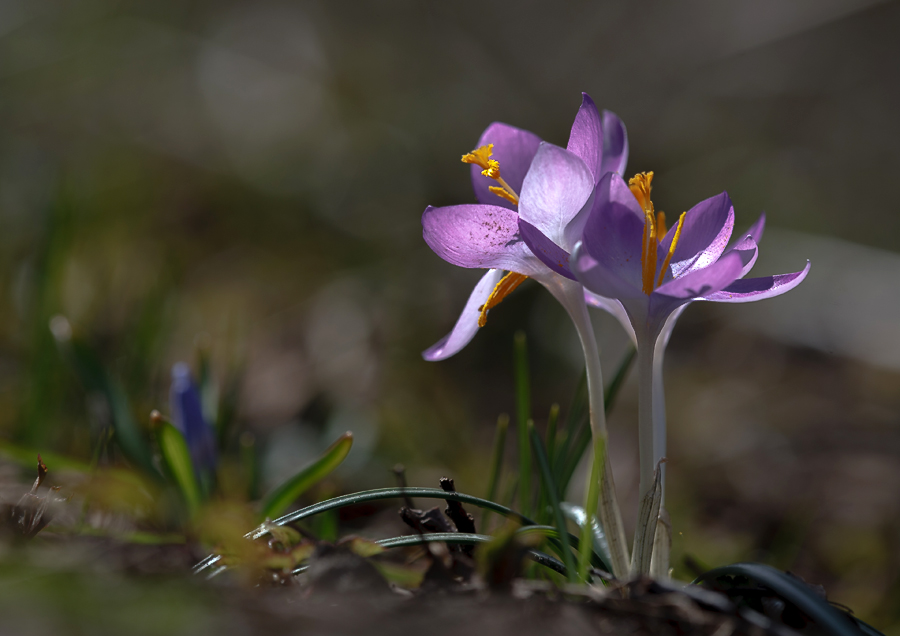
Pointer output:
612, 307
586, 137
600, 279
514, 149
704, 236
550, 254
614, 232
615, 145
555, 190
751, 289
484, 236
467, 324
702, 281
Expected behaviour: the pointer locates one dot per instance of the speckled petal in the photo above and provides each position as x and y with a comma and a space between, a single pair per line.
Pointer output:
467, 324
485, 236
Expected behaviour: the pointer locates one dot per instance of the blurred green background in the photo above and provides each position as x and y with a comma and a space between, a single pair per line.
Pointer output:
249, 177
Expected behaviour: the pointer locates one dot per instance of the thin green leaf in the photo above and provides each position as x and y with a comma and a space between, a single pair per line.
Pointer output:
523, 414
552, 421
284, 495
496, 464
177, 458
553, 496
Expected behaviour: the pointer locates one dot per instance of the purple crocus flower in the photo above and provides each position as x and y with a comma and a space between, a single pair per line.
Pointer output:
628, 255
522, 183
525, 186
187, 416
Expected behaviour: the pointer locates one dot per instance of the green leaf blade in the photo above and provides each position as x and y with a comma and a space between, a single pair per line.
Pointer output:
279, 499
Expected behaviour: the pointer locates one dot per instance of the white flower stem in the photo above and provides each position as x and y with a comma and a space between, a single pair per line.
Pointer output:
571, 296
646, 445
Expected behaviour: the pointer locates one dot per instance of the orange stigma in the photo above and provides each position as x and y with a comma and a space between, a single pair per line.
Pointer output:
654, 231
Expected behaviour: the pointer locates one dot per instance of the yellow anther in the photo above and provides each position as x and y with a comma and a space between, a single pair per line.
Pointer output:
660, 223
501, 290
481, 157
665, 265
502, 192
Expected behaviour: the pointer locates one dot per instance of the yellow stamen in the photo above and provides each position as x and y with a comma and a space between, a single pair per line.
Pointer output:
639, 185
661, 223
481, 157
665, 265
502, 192
501, 290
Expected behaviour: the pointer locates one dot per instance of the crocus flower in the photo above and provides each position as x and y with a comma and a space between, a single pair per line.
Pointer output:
526, 186
555, 185
627, 254
187, 416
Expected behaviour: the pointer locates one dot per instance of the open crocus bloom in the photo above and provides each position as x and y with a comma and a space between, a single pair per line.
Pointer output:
627, 254
522, 184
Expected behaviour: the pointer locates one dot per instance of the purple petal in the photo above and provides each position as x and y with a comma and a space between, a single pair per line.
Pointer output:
698, 283
704, 236
484, 236
615, 144
586, 137
600, 279
514, 149
614, 232
555, 190
751, 289
550, 254
467, 324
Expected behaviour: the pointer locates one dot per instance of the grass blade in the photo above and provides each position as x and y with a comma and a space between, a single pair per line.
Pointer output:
523, 414
177, 457
552, 421
496, 464
284, 495
553, 496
